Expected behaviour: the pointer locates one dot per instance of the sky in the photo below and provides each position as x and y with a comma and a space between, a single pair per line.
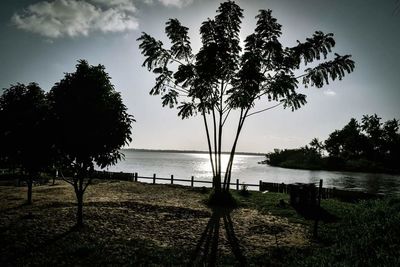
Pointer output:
42, 40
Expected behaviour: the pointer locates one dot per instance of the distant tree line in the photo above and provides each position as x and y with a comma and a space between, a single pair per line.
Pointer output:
80, 123
370, 145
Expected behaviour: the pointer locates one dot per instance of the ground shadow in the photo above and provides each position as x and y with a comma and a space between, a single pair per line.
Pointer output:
316, 213
13, 256
5, 228
206, 251
2, 211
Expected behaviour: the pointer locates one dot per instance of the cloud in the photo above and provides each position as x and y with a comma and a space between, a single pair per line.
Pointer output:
329, 92
60, 18
176, 3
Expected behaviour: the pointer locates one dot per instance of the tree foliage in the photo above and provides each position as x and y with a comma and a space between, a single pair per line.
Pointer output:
91, 122
223, 77
25, 137
367, 146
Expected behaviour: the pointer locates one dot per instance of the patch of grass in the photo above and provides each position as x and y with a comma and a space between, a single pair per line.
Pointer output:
269, 203
367, 235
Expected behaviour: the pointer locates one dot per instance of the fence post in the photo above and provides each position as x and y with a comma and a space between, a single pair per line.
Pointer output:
318, 209
192, 181
136, 175
319, 192
172, 179
237, 184
154, 178
260, 185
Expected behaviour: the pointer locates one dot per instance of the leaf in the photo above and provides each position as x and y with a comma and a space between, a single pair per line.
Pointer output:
170, 98
334, 69
186, 110
294, 101
155, 54
319, 44
180, 40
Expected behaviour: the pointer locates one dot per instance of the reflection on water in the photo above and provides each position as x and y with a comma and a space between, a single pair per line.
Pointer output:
247, 169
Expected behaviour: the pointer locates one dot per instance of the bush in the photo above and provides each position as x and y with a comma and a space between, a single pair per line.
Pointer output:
221, 199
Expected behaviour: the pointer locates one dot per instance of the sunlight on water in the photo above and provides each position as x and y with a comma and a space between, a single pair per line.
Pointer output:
247, 170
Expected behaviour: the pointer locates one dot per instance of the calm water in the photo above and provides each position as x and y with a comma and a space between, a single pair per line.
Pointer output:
247, 170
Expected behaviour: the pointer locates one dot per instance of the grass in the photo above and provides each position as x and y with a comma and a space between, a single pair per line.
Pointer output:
128, 223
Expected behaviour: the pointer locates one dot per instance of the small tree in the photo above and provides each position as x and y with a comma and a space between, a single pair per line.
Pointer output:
317, 146
222, 78
24, 131
92, 124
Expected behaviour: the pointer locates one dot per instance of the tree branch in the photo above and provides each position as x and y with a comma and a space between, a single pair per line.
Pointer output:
87, 184
226, 117
256, 112
65, 179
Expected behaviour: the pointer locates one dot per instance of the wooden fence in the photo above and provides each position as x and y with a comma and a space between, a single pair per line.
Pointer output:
326, 193
134, 177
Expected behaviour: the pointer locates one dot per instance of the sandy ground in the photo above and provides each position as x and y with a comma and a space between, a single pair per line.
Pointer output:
171, 223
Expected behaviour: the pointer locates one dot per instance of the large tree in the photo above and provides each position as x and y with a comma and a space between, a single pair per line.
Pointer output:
222, 77
24, 131
91, 122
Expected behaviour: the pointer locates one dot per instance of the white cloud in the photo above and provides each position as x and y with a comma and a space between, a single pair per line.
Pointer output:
59, 18
126, 5
329, 92
176, 3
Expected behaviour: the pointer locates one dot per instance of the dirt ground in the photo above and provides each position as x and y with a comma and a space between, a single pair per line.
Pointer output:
135, 223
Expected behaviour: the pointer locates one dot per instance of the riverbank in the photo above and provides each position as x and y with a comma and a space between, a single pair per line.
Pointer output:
327, 164
129, 223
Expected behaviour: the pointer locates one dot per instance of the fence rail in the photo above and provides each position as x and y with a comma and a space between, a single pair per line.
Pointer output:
136, 177
347, 195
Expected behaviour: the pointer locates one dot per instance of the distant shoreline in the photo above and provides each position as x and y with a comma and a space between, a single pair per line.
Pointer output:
189, 151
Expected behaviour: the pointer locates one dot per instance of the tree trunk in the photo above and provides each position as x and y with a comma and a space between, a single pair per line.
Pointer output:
79, 214
29, 182
217, 178
228, 172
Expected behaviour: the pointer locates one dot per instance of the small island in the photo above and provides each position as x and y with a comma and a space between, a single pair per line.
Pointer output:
369, 146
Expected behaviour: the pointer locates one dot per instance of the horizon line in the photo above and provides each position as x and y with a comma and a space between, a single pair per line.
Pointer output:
191, 151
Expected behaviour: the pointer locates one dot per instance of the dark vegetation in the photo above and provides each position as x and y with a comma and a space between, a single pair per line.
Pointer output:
80, 122
223, 78
132, 223
91, 122
369, 146
25, 132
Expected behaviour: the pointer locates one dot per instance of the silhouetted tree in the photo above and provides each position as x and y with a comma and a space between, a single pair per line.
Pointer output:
92, 124
372, 126
347, 143
391, 142
24, 131
317, 146
222, 78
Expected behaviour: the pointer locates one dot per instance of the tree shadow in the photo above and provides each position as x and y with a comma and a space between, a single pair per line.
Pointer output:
2, 211
9, 226
206, 251
14, 254
316, 213
58, 237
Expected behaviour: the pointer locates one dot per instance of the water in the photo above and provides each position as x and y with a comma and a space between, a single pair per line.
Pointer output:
247, 170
